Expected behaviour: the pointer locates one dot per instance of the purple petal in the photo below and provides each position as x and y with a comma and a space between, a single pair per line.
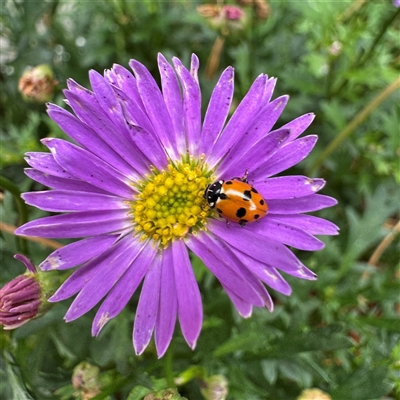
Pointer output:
155, 108
123, 290
88, 271
268, 91
255, 282
243, 307
108, 101
147, 142
81, 91
190, 309
87, 138
191, 106
254, 156
258, 129
194, 67
217, 111
77, 225
78, 252
93, 116
28, 263
299, 125
135, 107
45, 163
313, 202
288, 187
275, 229
269, 252
221, 263
173, 100
263, 272
239, 122
309, 223
61, 183
287, 156
147, 309
168, 307
86, 166
109, 271
67, 201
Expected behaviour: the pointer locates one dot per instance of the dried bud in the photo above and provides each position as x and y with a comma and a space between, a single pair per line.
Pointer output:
336, 48
37, 84
215, 387
168, 394
314, 394
85, 379
20, 299
225, 19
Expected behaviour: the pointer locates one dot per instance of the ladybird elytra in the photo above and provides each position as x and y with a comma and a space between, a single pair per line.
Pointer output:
236, 200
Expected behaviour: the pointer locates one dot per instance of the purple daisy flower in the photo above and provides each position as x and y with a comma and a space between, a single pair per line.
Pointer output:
132, 189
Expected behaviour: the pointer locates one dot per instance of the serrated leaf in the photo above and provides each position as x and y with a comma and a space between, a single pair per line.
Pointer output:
364, 384
138, 393
18, 388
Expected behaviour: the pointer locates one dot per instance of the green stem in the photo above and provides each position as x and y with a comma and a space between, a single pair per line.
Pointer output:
354, 123
382, 31
168, 372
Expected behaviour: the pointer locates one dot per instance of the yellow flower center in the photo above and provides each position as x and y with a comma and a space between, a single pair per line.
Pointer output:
170, 203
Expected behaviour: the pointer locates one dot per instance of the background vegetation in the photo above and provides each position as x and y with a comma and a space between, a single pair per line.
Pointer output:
339, 60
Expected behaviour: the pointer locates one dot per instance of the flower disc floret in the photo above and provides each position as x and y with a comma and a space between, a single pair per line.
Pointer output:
171, 204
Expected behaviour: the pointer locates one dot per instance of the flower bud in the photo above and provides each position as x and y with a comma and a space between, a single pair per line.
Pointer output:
85, 379
215, 387
21, 299
37, 84
168, 394
226, 19
314, 394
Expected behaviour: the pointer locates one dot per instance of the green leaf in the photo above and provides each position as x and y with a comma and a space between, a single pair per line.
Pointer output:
364, 384
15, 381
138, 393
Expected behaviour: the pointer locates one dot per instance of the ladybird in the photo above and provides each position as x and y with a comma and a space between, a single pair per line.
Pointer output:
236, 200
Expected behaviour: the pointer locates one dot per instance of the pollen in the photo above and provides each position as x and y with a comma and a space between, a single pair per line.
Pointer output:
170, 203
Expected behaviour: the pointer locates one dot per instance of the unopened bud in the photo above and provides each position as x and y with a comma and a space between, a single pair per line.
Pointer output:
168, 394
215, 387
85, 379
37, 84
21, 299
313, 394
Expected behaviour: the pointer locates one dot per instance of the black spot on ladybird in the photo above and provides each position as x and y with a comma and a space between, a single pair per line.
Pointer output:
262, 202
228, 183
254, 190
241, 212
219, 211
256, 216
223, 196
247, 195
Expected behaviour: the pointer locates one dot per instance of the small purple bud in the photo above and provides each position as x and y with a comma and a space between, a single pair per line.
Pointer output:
20, 299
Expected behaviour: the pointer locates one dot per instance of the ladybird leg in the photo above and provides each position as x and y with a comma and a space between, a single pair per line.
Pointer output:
242, 223
244, 178
227, 223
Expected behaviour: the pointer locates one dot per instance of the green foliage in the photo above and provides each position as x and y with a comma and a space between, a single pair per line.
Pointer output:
339, 333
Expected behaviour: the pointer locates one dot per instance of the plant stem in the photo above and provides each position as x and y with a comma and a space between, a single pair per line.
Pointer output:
168, 372
354, 123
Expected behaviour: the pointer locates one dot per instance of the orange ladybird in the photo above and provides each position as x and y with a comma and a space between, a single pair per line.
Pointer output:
236, 200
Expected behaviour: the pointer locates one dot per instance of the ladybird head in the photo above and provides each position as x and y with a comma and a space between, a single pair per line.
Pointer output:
212, 192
